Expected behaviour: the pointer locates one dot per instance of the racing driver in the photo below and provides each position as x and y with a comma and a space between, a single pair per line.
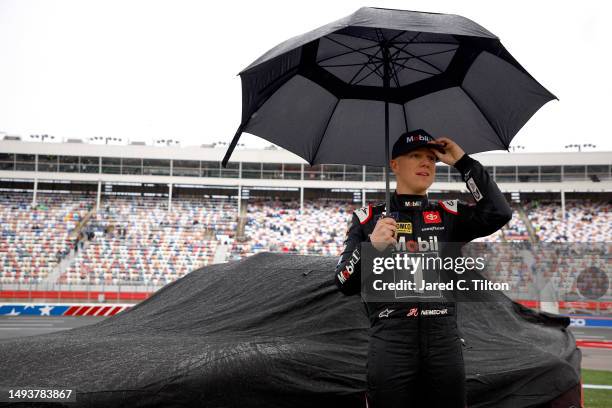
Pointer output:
415, 356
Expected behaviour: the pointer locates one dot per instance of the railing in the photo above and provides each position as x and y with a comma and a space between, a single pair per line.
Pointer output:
335, 172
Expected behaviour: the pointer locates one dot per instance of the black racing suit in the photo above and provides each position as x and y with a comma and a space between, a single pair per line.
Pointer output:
415, 356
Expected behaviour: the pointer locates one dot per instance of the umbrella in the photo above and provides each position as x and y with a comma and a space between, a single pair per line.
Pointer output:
332, 94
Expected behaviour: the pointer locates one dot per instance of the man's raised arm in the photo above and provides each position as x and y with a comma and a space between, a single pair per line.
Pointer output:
491, 211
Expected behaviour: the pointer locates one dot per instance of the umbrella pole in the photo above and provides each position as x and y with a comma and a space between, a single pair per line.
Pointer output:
387, 198
386, 88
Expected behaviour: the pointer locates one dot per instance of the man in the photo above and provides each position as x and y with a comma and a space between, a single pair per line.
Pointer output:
415, 356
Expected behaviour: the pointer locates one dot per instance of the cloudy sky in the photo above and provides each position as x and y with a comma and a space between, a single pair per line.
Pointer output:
145, 70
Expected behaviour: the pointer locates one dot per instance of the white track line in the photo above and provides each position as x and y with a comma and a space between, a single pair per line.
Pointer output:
29, 328
597, 387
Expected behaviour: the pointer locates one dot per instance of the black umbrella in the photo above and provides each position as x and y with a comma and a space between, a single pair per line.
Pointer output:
330, 94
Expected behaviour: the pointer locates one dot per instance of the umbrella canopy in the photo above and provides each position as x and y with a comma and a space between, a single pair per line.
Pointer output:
329, 95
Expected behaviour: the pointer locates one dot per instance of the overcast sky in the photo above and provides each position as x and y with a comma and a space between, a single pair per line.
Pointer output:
145, 70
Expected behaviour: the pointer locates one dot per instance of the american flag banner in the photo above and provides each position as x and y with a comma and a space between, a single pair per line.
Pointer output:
57, 309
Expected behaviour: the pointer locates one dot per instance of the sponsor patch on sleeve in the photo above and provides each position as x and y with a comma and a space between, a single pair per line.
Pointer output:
350, 267
343, 276
364, 214
450, 206
471, 185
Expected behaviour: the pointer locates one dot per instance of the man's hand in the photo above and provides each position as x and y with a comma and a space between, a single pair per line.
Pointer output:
452, 151
384, 233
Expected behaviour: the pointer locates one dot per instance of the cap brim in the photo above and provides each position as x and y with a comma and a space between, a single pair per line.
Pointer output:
435, 146
423, 144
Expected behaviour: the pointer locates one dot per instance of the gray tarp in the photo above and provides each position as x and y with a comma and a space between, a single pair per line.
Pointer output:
273, 331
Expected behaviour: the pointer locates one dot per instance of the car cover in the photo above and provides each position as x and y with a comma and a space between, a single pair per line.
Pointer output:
272, 330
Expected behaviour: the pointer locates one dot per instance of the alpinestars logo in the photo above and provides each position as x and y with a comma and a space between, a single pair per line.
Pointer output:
385, 313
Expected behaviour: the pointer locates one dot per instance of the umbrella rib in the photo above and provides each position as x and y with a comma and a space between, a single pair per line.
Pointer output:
361, 69
379, 35
394, 76
376, 67
372, 71
427, 55
345, 53
389, 41
324, 131
403, 49
411, 56
424, 42
396, 79
406, 42
344, 45
361, 64
360, 37
398, 50
367, 66
419, 58
416, 69
405, 118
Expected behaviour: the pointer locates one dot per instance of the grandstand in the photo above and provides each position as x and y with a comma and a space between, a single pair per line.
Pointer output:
137, 216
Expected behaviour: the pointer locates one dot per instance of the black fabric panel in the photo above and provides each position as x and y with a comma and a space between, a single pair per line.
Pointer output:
272, 330
295, 117
506, 96
356, 133
451, 114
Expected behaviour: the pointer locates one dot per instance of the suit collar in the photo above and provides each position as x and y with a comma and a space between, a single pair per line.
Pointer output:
409, 201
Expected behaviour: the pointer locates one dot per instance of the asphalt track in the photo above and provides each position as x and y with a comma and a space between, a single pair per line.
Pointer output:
17, 326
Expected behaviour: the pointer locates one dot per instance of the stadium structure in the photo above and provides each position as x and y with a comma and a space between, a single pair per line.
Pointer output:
117, 222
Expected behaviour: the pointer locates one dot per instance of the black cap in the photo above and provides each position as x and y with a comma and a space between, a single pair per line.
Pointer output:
412, 140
